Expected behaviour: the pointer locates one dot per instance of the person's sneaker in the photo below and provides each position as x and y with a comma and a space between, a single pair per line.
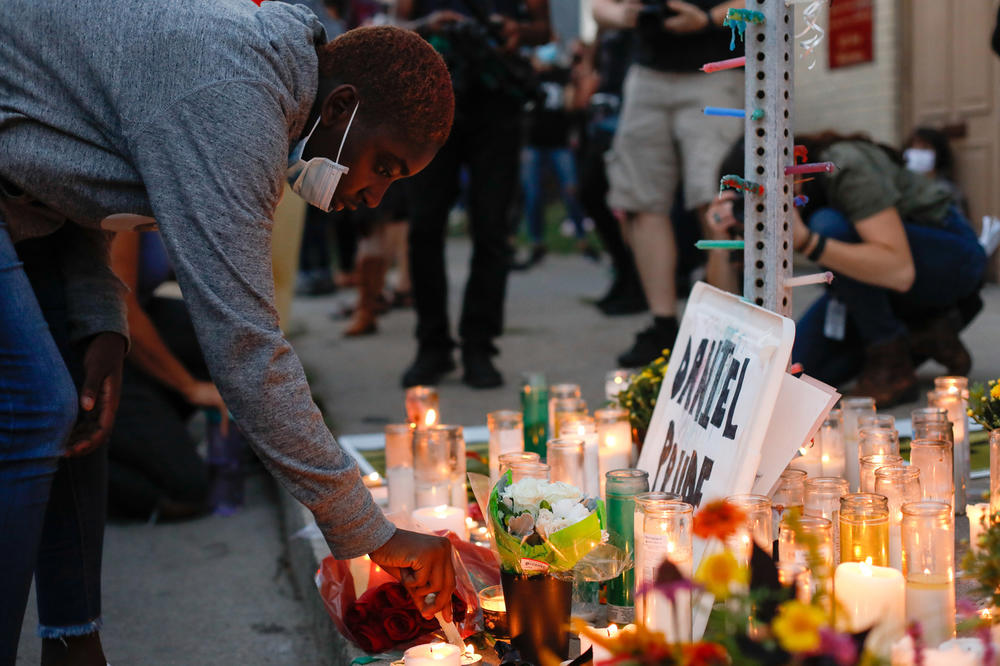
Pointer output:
938, 339
430, 366
480, 372
648, 346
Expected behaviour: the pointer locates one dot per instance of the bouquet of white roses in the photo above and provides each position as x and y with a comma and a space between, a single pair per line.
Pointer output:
542, 527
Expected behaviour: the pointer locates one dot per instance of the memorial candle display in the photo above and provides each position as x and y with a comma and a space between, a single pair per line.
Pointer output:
978, 521
874, 441
505, 460
952, 394
922, 417
928, 534
439, 466
788, 496
638, 568
494, 611
871, 596
853, 409
830, 440
756, 527
887, 421
622, 485
422, 406
933, 459
399, 467
864, 529
528, 470
565, 458
899, 485
535, 412
443, 517
506, 436
564, 409
820, 566
822, 500
581, 426
434, 654
614, 440
869, 464
666, 534
559, 392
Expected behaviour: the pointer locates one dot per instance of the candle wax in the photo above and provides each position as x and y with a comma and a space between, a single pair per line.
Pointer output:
932, 603
870, 596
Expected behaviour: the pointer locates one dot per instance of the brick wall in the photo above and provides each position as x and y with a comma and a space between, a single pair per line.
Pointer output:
857, 98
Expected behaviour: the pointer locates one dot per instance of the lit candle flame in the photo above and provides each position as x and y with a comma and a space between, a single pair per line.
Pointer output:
441, 510
430, 418
470, 650
866, 567
612, 630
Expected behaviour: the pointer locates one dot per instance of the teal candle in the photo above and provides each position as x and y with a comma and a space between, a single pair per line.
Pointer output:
535, 410
622, 485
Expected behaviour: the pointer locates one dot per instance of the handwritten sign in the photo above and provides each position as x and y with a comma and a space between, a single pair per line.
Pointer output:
707, 431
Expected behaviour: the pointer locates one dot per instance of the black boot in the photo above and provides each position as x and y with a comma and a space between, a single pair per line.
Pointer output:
480, 372
430, 366
650, 343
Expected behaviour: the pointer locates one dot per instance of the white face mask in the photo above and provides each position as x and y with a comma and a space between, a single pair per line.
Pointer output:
919, 160
316, 180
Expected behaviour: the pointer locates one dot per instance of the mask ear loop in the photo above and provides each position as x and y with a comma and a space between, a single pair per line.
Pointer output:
346, 130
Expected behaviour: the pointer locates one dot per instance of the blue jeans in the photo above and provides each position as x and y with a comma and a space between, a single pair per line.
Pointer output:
534, 161
949, 264
52, 508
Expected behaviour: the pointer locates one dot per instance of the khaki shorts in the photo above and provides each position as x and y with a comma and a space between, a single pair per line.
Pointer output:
664, 137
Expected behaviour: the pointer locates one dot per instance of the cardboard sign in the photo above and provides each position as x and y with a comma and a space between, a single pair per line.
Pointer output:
707, 430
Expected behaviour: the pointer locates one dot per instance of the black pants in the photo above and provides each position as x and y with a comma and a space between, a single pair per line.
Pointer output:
152, 455
593, 194
486, 139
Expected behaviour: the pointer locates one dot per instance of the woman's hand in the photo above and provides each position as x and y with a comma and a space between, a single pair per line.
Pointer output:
102, 383
205, 394
422, 563
689, 18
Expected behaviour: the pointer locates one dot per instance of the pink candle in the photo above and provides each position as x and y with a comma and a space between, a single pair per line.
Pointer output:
812, 167
720, 65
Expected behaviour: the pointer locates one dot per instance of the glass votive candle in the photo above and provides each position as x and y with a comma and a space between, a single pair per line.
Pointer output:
528, 470
864, 529
439, 466
582, 426
614, 441
934, 460
871, 463
506, 436
507, 459
822, 500
812, 548
899, 484
615, 382
928, 533
535, 411
952, 394
923, 415
494, 611
809, 458
978, 523
876, 421
878, 441
422, 406
641, 499
854, 409
830, 440
622, 487
564, 409
666, 534
399, 467
756, 527
565, 458
788, 496
559, 392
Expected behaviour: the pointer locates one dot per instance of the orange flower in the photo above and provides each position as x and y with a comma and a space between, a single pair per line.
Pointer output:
703, 654
718, 519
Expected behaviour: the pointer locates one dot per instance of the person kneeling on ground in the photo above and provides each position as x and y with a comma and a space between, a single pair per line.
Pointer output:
193, 121
905, 261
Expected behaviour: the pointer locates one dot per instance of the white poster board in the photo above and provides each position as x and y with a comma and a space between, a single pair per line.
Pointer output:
707, 431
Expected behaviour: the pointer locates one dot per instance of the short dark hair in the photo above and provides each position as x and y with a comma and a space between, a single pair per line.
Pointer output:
401, 79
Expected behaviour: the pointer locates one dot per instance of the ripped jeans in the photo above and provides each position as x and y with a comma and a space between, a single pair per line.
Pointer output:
52, 509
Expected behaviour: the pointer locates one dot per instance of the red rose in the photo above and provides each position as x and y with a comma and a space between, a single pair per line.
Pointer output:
372, 639
356, 614
400, 625
396, 596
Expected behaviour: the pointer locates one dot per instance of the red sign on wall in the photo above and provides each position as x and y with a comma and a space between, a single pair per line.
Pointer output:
851, 32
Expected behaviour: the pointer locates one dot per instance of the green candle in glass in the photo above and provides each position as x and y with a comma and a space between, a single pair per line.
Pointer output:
535, 410
622, 485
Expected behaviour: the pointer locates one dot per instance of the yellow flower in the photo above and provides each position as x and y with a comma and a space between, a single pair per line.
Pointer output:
995, 392
797, 626
719, 573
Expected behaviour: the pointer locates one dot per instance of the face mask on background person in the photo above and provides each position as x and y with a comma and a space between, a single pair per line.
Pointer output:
919, 160
316, 180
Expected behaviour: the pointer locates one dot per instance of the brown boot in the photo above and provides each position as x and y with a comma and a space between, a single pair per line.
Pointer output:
888, 375
371, 276
938, 339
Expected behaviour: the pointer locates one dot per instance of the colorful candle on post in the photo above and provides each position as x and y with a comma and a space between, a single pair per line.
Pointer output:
622, 485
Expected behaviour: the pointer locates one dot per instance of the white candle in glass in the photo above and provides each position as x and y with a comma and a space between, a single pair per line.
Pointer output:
809, 460
853, 409
399, 467
871, 596
830, 440
666, 535
600, 653
583, 427
978, 520
506, 436
614, 436
434, 654
442, 517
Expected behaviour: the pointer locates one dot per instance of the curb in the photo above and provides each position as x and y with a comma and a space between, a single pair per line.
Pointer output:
304, 557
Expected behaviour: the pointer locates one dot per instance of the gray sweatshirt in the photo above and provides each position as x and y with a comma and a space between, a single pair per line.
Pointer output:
181, 111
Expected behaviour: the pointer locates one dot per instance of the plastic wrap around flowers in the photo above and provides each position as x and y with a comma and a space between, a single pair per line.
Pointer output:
541, 527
